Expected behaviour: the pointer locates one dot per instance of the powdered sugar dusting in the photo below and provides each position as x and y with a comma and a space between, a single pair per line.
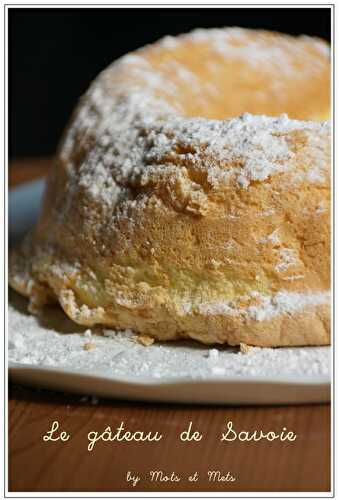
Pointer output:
133, 149
266, 307
288, 258
287, 303
271, 238
280, 53
139, 137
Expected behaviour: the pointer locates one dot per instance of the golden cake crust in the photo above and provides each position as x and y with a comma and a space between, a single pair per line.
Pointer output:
185, 227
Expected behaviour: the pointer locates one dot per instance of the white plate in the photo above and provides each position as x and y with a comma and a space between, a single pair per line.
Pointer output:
119, 367
23, 208
217, 391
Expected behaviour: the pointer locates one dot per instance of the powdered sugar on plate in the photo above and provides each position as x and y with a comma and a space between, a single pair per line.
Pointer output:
52, 340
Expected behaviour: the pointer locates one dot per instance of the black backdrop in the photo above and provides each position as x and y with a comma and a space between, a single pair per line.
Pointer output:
55, 53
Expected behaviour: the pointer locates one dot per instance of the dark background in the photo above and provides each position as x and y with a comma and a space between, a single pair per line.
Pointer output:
55, 53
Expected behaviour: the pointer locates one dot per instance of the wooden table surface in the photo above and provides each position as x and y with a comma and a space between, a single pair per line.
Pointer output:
37, 465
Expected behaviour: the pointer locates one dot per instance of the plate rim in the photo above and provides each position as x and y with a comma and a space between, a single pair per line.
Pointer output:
300, 380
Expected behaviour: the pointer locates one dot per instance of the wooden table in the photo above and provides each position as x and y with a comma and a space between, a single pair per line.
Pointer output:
36, 465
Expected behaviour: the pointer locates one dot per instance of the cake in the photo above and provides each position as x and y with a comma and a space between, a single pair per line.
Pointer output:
190, 195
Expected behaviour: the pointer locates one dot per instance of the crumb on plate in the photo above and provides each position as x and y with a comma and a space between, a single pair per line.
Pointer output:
244, 348
89, 345
145, 340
